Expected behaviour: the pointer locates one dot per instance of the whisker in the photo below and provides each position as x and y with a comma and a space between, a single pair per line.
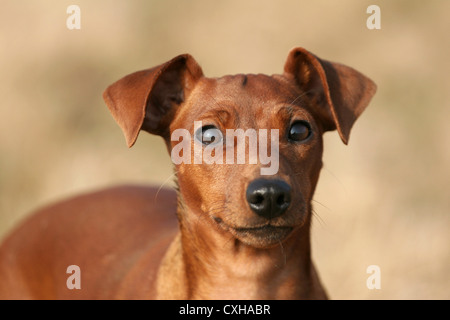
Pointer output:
216, 207
299, 96
231, 238
283, 253
298, 173
162, 185
214, 99
322, 205
336, 178
319, 218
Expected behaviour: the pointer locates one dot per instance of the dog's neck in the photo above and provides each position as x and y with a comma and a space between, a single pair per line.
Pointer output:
205, 262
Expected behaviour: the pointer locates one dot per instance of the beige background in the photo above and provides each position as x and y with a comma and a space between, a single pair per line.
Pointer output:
383, 200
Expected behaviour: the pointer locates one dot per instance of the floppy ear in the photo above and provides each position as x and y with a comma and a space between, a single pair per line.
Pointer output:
148, 99
340, 93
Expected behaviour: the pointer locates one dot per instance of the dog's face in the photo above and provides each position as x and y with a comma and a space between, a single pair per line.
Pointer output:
256, 208
247, 148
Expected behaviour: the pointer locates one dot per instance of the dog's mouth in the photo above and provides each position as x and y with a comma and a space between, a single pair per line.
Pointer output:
263, 236
264, 231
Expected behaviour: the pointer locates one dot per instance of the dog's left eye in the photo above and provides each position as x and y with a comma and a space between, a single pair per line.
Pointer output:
209, 135
299, 131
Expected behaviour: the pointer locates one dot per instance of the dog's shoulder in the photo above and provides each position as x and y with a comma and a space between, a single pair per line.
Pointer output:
102, 232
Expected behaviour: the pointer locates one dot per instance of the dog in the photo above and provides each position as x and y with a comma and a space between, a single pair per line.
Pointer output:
230, 230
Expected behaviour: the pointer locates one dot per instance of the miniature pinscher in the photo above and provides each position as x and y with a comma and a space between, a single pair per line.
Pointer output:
238, 224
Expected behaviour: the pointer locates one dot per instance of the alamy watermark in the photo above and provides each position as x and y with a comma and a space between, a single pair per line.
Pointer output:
74, 280
210, 144
374, 280
374, 20
73, 22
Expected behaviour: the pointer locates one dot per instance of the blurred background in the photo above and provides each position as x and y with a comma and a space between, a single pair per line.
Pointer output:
382, 200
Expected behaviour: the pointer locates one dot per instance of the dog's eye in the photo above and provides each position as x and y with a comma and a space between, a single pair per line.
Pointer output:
299, 131
209, 135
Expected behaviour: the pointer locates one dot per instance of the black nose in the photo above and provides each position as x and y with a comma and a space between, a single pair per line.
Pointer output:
268, 198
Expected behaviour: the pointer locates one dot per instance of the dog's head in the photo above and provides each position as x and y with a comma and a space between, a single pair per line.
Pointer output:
247, 148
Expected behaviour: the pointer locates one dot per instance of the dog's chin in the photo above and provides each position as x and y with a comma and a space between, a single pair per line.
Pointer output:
262, 237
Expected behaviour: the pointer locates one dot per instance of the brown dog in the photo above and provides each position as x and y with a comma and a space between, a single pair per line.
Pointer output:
241, 234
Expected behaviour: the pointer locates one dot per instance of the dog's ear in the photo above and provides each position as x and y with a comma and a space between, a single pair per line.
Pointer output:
340, 93
148, 99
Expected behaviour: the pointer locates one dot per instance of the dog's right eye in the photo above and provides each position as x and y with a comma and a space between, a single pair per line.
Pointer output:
209, 135
299, 131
